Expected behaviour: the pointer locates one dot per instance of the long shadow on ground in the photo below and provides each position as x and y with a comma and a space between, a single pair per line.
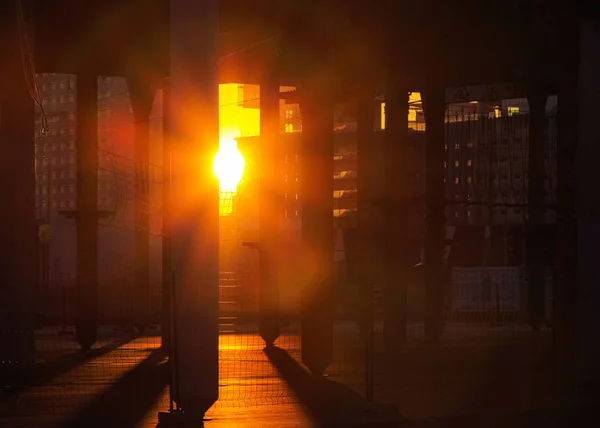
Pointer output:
328, 403
18, 380
127, 402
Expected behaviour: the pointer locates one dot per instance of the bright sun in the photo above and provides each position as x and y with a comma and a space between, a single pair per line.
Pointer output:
228, 167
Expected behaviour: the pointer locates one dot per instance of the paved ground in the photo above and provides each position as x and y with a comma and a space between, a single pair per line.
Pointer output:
123, 382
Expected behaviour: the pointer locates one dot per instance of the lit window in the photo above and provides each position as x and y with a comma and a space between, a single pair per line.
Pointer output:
469, 163
456, 180
456, 163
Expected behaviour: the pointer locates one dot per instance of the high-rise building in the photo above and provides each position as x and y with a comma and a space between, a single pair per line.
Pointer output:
56, 150
56, 165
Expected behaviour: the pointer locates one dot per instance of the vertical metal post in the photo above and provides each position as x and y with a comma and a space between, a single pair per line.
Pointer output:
167, 267
142, 97
86, 219
535, 201
195, 201
434, 210
396, 198
269, 219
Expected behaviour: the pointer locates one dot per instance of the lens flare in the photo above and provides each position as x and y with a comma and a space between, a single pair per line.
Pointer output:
228, 166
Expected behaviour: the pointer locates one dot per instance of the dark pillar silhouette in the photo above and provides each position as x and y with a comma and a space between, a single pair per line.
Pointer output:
360, 258
86, 219
142, 98
397, 262
535, 210
434, 103
566, 278
317, 225
366, 212
194, 139
588, 214
19, 252
269, 210
167, 268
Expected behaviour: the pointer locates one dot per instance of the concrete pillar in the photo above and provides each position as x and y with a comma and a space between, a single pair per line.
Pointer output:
86, 219
397, 261
19, 252
566, 278
269, 209
366, 212
167, 268
535, 210
317, 225
435, 202
195, 203
588, 212
142, 98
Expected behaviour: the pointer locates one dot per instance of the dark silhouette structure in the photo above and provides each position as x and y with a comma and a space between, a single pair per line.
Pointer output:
331, 51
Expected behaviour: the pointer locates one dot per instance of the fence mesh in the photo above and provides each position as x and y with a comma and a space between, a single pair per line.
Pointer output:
471, 368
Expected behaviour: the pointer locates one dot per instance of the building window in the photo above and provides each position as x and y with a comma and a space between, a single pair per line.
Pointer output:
62, 204
71, 203
71, 189
72, 173
456, 163
71, 159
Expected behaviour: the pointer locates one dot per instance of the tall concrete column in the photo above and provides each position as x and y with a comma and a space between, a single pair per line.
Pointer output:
167, 266
366, 213
535, 210
397, 261
142, 98
18, 252
195, 203
435, 109
588, 212
317, 225
86, 218
269, 209
566, 278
